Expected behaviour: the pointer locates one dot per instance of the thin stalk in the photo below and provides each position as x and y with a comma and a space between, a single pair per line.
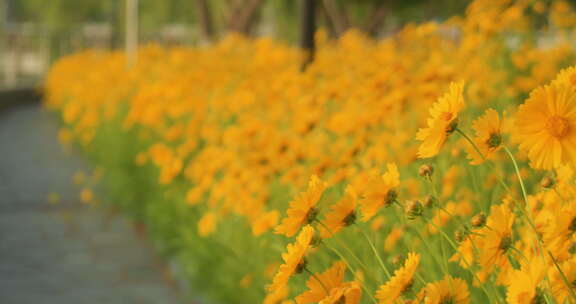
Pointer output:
343, 245
375, 252
465, 262
318, 280
564, 278
368, 292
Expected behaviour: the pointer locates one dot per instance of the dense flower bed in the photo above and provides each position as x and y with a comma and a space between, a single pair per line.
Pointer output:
435, 165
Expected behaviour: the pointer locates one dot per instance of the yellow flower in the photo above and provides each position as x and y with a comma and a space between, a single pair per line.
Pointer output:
523, 286
566, 76
443, 121
496, 241
343, 214
264, 221
380, 192
558, 288
449, 290
488, 137
545, 126
320, 285
276, 296
392, 238
86, 195
294, 259
401, 282
348, 293
207, 224
302, 210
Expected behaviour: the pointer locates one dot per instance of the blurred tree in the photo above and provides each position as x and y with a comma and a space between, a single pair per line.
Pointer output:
370, 16
205, 20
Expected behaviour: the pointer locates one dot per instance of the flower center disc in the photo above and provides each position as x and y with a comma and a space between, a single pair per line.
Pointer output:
558, 126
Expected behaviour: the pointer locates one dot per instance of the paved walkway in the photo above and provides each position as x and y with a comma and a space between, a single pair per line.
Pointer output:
67, 252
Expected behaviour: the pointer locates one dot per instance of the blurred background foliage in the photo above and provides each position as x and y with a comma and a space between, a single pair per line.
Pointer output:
36, 32
65, 26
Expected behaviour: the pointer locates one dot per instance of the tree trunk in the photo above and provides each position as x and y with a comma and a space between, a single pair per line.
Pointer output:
307, 30
241, 19
376, 19
205, 20
337, 16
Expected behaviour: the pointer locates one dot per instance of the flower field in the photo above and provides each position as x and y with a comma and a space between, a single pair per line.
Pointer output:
435, 165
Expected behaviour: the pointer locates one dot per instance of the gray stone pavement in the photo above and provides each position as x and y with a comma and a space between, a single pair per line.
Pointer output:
67, 252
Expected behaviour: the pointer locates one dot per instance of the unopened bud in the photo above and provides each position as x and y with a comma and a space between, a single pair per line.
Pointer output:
426, 170
460, 235
413, 209
398, 260
478, 220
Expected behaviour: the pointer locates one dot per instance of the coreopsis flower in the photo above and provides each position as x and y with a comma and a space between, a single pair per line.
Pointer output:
488, 139
524, 284
401, 282
443, 121
558, 288
207, 224
264, 221
380, 192
566, 76
392, 238
342, 214
545, 126
449, 290
496, 241
464, 254
276, 296
294, 259
320, 285
302, 210
348, 293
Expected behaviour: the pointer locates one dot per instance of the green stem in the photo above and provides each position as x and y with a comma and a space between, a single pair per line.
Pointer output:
465, 262
318, 280
564, 278
343, 245
368, 292
375, 252
513, 159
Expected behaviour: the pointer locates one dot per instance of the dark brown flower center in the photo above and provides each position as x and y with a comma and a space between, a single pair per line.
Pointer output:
505, 243
494, 140
311, 215
301, 266
349, 219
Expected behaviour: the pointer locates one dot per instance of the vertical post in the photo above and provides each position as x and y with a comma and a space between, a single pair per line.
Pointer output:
131, 32
307, 30
9, 44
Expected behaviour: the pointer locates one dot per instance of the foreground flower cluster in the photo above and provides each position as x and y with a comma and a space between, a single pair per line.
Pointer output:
432, 166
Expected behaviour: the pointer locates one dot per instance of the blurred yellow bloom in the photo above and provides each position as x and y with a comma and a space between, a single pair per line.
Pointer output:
443, 121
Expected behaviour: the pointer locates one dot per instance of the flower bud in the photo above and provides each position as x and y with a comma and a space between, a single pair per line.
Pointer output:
413, 209
478, 220
426, 170
398, 260
461, 235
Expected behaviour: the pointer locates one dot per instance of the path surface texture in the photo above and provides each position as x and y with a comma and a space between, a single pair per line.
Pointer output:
65, 252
